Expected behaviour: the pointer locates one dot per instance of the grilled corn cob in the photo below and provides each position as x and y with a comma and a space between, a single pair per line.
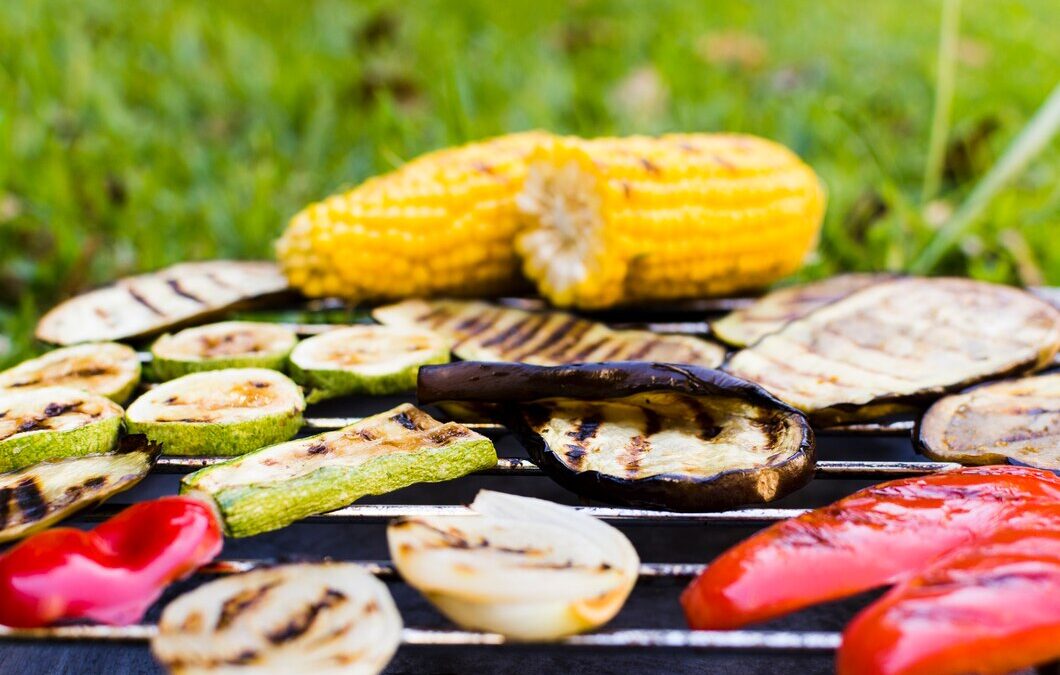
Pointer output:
443, 224
616, 220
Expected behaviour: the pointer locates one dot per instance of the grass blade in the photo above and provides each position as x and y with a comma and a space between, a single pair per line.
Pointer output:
949, 32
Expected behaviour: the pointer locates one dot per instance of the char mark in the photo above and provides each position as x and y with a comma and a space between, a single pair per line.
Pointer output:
633, 452
643, 350
652, 422
506, 334
706, 428
174, 284
404, 420
5, 506
135, 295
525, 336
587, 428
318, 448
218, 280
95, 482
589, 349
469, 328
564, 339
29, 499
575, 454
241, 602
434, 318
302, 622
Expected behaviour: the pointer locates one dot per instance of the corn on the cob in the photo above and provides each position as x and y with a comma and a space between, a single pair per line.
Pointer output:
443, 224
616, 220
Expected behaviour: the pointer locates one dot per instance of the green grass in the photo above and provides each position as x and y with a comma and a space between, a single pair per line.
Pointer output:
134, 134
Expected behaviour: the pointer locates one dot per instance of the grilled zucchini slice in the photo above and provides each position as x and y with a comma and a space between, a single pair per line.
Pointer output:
900, 344
526, 568
373, 360
219, 412
41, 495
105, 368
485, 332
151, 303
1015, 420
653, 435
229, 344
276, 486
318, 618
778, 308
38, 425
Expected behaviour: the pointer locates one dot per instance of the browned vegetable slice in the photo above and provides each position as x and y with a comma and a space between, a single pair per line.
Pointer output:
656, 435
778, 308
900, 344
485, 332
1015, 420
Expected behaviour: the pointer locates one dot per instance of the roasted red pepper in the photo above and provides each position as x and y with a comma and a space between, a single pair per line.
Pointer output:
110, 574
864, 541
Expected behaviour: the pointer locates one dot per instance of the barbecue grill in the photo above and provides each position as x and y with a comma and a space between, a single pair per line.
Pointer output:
649, 635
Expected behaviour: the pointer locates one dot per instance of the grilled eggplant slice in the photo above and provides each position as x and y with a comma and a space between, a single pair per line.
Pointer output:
276, 486
151, 303
41, 495
373, 360
105, 368
654, 435
900, 344
778, 308
219, 412
307, 618
229, 344
526, 568
38, 425
1014, 420
485, 332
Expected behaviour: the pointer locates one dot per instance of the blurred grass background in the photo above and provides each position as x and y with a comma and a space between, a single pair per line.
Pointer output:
135, 134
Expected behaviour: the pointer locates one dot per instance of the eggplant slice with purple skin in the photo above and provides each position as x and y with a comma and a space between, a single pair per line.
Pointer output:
653, 435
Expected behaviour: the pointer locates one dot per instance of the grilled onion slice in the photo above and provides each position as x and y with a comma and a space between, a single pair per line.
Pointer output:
150, 303
305, 618
229, 344
219, 412
365, 360
899, 344
526, 568
105, 368
38, 496
1017, 420
485, 332
38, 425
778, 308
653, 435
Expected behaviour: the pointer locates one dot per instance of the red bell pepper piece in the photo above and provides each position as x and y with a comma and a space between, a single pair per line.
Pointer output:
990, 608
866, 540
110, 574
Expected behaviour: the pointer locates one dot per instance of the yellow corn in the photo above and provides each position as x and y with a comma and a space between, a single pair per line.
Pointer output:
616, 220
443, 224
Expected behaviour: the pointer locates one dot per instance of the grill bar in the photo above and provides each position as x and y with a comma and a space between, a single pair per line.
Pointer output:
384, 569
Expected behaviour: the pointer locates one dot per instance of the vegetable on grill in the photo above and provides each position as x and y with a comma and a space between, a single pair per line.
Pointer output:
111, 574
372, 360
485, 332
778, 308
41, 495
150, 303
526, 568
38, 425
278, 485
443, 224
319, 618
229, 344
869, 539
620, 220
654, 435
105, 368
899, 344
219, 412
1013, 420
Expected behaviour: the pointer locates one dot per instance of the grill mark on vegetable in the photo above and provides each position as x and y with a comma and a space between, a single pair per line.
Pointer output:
95, 482
560, 352
405, 421
644, 349
435, 317
135, 295
706, 428
551, 340
614, 351
303, 621
218, 280
632, 453
83, 373
531, 331
502, 336
5, 506
575, 454
318, 448
586, 429
652, 422
174, 284
586, 351
444, 434
471, 327
30, 500
241, 602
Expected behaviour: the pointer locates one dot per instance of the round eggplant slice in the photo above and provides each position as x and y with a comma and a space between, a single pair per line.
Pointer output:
38, 425
41, 495
229, 344
526, 568
105, 368
901, 344
219, 412
1013, 420
372, 360
660, 436
306, 618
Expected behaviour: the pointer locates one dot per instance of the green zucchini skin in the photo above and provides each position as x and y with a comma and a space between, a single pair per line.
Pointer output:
227, 440
163, 369
321, 385
91, 439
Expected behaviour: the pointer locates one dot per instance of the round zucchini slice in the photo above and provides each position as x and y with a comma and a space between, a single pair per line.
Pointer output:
105, 368
229, 344
307, 618
55, 422
219, 412
366, 359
